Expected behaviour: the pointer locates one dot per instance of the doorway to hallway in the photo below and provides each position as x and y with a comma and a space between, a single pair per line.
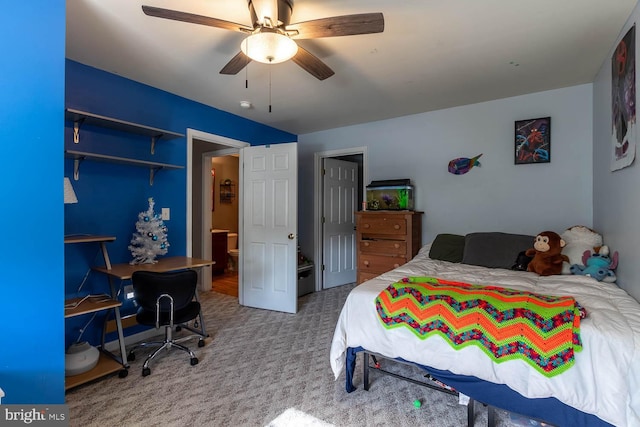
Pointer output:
201, 148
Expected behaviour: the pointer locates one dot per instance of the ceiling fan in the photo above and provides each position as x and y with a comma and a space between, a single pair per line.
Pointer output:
272, 37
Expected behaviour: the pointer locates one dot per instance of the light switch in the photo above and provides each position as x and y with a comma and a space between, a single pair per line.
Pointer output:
166, 214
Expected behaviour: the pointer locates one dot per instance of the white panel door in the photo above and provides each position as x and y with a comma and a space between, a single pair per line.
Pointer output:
268, 255
340, 194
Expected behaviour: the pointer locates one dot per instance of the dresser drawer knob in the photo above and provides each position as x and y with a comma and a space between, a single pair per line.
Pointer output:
397, 226
396, 265
366, 263
366, 244
396, 245
366, 225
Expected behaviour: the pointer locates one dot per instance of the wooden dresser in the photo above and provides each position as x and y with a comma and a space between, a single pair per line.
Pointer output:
386, 240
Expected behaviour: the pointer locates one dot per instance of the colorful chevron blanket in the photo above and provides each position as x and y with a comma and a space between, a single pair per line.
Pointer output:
506, 324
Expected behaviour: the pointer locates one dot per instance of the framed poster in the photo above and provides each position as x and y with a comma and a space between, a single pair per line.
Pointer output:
623, 102
533, 141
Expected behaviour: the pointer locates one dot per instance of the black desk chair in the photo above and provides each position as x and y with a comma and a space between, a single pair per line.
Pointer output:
165, 299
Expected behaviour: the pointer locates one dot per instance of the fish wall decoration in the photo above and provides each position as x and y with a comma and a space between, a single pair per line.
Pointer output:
462, 165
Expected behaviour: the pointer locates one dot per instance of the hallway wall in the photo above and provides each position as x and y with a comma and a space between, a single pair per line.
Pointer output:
225, 214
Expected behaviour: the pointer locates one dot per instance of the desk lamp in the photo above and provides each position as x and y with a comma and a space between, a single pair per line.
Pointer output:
69, 194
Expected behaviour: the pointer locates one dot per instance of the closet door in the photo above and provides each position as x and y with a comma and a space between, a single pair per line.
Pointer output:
340, 194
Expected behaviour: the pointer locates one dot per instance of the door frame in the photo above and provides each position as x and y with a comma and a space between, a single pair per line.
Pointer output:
223, 146
318, 159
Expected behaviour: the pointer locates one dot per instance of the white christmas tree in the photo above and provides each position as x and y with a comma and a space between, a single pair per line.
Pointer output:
150, 239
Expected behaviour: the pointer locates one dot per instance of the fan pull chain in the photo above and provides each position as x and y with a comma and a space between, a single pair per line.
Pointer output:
270, 89
246, 69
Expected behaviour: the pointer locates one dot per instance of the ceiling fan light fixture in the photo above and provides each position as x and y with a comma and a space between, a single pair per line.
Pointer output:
269, 47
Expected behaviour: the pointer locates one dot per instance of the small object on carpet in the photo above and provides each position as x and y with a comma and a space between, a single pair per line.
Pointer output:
417, 403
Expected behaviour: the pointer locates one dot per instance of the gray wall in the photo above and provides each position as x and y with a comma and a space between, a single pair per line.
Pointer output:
616, 210
498, 196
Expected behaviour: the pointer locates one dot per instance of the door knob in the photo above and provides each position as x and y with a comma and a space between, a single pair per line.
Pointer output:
291, 236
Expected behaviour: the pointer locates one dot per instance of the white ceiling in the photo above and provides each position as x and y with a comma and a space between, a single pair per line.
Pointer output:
433, 54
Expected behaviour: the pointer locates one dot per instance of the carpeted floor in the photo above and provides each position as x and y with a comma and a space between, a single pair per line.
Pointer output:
262, 368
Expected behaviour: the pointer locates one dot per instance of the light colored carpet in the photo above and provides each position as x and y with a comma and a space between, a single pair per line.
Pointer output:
263, 368
293, 417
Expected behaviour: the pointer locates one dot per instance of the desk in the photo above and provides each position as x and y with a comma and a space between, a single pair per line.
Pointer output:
124, 272
88, 238
107, 363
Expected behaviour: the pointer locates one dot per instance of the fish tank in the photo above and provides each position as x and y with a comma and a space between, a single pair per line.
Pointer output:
393, 195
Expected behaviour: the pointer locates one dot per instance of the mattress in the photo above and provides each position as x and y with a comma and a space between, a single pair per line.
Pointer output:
604, 381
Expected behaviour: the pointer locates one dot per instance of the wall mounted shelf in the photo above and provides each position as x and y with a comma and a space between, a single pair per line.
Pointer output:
80, 117
79, 156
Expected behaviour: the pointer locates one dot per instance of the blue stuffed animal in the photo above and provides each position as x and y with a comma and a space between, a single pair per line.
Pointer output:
597, 265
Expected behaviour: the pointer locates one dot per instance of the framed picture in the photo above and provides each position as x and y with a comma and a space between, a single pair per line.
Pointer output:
533, 141
623, 102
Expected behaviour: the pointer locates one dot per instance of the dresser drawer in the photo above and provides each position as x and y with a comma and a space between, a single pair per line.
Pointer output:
385, 240
370, 263
382, 225
390, 247
363, 277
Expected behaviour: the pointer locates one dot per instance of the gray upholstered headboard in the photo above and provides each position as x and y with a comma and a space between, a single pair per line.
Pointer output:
487, 249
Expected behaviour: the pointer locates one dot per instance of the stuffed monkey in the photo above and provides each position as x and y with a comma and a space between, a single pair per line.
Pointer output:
546, 253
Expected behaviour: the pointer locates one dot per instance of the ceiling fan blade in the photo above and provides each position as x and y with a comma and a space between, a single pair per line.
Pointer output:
194, 19
236, 64
346, 25
311, 64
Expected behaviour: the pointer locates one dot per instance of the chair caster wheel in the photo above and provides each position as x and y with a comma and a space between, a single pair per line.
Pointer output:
201, 343
194, 361
146, 371
131, 357
123, 373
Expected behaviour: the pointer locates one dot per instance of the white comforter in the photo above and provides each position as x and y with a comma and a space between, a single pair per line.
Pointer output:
605, 380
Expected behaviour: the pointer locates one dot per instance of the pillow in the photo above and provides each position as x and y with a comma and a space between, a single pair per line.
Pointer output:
494, 250
447, 247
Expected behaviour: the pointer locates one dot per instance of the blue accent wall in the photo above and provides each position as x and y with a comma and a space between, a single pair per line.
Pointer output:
32, 42
110, 196
39, 271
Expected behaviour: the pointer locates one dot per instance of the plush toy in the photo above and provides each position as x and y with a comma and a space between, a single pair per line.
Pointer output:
522, 262
578, 239
598, 265
546, 253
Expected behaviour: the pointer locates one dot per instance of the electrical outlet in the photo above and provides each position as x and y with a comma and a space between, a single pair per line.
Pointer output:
166, 214
128, 292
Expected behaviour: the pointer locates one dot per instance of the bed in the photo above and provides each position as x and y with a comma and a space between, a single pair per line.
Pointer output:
601, 387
